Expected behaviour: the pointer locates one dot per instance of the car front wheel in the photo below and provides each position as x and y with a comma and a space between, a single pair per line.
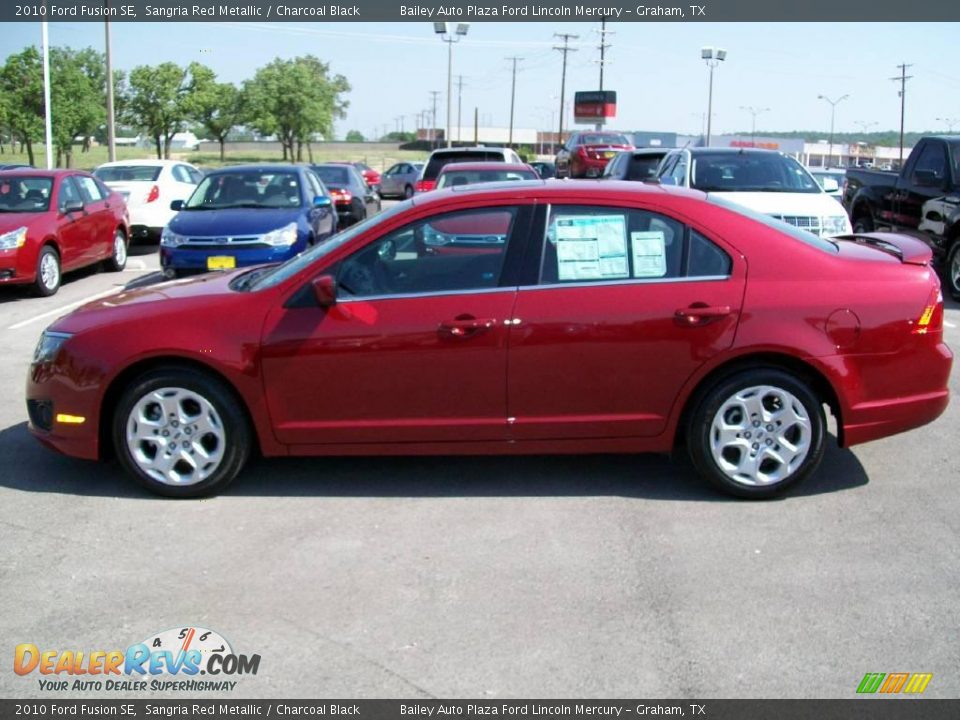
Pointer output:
181, 433
48, 272
757, 433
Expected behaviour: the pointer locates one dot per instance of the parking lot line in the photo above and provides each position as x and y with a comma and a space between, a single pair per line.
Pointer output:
949, 324
63, 308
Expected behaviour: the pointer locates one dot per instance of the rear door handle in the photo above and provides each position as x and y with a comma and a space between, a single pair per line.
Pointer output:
701, 314
465, 326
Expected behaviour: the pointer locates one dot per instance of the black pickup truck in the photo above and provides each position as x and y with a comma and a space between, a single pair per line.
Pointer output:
922, 200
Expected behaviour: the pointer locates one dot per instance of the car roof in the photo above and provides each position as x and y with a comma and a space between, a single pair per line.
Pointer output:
148, 162
36, 172
730, 151
470, 149
461, 166
274, 167
579, 190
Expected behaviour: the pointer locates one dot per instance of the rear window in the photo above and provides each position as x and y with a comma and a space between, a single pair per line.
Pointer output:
336, 176
604, 139
128, 173
643, 167
472, 177
439, 159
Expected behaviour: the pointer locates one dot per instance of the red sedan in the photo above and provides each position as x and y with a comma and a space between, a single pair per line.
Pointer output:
58, 220
586, 154
611, 317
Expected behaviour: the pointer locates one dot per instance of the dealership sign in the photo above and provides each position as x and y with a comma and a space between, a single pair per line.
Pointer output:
594, 106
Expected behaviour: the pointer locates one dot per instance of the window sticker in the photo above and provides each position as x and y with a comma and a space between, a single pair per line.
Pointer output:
649, 254
590, 247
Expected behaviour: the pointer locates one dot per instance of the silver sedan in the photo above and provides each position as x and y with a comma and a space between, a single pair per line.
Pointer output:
401, 179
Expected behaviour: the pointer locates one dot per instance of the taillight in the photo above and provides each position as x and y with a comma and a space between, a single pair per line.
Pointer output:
154, 194
341, 196
931, 319
425, 185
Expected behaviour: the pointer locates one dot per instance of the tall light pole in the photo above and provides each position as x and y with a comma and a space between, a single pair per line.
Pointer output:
712, 57
865, 125
443, 30
949, 122
833, 110
753, 124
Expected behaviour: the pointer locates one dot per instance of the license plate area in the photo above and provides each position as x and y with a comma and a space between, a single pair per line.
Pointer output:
221, 262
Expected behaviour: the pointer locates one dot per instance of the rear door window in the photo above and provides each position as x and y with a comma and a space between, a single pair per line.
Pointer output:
438, 160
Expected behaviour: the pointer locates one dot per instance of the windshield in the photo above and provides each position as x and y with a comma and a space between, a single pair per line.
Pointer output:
246, 189
750, 172
24, 194
786, 228
439, 159
271, 276
128, 173
471, 177
333, 175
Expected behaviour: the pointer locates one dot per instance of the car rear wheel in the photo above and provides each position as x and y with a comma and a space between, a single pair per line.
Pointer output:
181, 433
48, 272
952, 275
118, 258
757, 433
408, 192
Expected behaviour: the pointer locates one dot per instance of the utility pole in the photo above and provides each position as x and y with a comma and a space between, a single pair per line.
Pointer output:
476, 126
903, 100
603, 47
566, 37
513, 94
433, 116
111, 129
459, 105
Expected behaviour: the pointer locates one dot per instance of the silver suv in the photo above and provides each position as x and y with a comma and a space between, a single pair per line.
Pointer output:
439, 158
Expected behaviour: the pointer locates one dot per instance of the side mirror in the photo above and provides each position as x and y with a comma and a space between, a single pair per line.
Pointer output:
668, 180
830, 184
176, 205
321, 201
325, 290
72, 207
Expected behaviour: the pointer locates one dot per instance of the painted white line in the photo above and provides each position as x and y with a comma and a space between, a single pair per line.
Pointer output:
949, 324
64, 308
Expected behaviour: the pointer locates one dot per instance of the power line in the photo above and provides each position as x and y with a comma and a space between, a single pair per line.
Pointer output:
433, 117
903, 100
566, 37
603, 48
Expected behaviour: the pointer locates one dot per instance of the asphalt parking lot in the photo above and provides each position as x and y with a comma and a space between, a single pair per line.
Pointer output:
606, 576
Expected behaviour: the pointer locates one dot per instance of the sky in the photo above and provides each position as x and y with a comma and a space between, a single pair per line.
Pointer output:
779, 69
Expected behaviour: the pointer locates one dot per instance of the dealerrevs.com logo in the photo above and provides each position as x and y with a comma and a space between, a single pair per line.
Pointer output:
168, 661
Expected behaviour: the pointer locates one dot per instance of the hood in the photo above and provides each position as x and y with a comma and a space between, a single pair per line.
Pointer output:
782, 203
166, 297
232, 222
11, 221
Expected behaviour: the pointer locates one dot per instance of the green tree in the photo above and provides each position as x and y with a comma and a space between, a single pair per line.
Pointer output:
355, 136
215, 106
76, 98
21, 83
154, 100
295, 100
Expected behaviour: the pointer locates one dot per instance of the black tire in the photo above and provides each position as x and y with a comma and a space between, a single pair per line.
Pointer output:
407, 192
951, 270
863, 223
118, 257
776, 386
228, 435
49, 272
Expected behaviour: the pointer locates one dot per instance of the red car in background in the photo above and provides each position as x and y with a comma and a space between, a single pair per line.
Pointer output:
54, 221
370, 176
609, 317
586, 154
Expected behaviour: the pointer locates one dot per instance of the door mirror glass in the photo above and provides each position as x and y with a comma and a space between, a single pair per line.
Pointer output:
176, 205
72, 206
321, 201
325, 290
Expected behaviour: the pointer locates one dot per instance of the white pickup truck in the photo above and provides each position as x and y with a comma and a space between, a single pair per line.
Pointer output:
764, 181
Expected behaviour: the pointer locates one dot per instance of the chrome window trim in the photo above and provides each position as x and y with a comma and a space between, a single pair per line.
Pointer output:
627, 281
438, 293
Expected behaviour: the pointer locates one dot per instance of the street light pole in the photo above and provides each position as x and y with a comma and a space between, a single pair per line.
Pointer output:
753, 125
713, 57
949, 122
443, 30
833, 108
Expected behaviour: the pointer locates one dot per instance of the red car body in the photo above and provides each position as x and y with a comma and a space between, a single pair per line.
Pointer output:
371, 176
522, 366
80, 238
587, 153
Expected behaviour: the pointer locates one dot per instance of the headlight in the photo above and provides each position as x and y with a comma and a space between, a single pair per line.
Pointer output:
13, 239
170, 238
835, 225
50, 343
285, 236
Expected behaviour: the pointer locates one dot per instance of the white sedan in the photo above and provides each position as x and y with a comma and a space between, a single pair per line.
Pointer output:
149, 186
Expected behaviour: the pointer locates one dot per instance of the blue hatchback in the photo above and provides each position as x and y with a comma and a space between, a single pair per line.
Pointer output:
247, 215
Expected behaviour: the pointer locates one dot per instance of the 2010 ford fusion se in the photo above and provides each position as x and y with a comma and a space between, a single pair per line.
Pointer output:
535, 317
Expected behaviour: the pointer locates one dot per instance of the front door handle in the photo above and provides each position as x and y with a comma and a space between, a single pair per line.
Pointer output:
465, 326
701, 314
